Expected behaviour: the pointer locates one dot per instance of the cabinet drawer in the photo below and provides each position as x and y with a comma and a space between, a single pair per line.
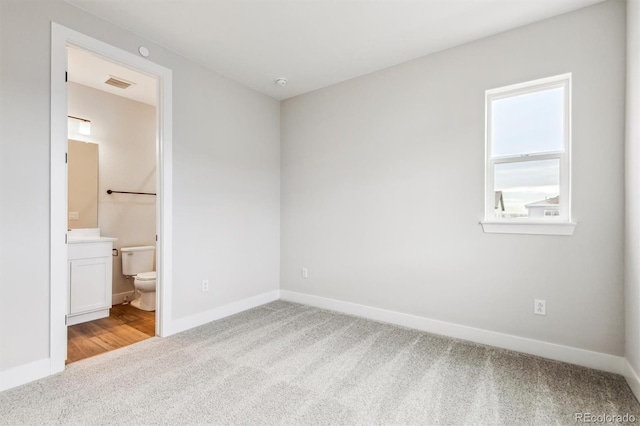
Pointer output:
89, 250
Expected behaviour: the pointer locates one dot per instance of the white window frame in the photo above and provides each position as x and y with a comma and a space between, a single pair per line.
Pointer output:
560, 225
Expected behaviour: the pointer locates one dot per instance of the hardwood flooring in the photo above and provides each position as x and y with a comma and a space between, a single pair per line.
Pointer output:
125, 326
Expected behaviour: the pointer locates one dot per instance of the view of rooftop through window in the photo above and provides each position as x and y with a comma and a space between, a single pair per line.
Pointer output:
526, 182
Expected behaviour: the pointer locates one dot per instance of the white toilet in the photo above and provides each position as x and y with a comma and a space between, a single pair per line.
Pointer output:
138, 262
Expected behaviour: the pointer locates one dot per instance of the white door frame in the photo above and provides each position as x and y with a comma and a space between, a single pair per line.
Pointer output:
61, 37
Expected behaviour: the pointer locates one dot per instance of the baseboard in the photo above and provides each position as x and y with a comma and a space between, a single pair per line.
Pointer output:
39, 369
24, 374
182, 324
118, 298
596, 360
632, 379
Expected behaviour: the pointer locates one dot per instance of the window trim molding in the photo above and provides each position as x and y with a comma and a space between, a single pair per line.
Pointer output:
560, 226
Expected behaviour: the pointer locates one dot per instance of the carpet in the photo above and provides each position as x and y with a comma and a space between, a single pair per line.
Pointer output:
290, 364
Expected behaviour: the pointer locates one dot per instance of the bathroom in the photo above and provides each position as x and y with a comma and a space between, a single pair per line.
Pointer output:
112, 148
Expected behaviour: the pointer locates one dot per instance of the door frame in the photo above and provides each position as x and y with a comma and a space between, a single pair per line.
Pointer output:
61, 37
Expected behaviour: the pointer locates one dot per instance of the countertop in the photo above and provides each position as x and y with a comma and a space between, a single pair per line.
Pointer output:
82, 240
87, 235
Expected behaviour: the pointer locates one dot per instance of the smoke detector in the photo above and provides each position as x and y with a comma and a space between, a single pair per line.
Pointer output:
281, 81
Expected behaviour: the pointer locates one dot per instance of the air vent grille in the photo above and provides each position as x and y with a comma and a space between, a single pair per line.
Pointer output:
118, 82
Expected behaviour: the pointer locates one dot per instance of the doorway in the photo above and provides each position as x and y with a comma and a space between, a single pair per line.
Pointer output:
62, 39
111, 195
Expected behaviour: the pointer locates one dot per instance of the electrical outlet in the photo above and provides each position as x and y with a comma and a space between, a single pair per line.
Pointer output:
305, 273
205, 285
540, 307
74, 216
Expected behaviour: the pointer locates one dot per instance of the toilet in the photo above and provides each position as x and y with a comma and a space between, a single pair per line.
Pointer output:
137, 262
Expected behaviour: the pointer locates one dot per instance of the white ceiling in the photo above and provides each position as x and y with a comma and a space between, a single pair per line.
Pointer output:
316, 43
91, 70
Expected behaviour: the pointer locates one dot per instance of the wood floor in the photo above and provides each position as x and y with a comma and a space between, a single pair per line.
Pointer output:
125, 326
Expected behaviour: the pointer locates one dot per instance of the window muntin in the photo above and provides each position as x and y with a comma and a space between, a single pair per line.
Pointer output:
527, 169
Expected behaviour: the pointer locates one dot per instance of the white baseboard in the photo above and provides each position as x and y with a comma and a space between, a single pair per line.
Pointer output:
596, 360
632, 379
39, 369
24, 374
606, 362
118, 298
182, 324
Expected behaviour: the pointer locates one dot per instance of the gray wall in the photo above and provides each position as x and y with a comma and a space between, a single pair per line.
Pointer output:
225, 178
382, 188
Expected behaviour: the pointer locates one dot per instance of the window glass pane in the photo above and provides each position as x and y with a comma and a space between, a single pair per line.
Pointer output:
527, 189
528, 124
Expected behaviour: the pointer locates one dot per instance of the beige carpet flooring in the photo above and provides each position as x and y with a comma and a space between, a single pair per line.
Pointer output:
289, 364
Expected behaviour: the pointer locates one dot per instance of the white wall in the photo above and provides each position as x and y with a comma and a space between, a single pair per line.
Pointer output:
225, 178
125, 131
382, 188
632, 191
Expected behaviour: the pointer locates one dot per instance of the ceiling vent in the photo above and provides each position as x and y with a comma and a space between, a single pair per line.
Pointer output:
118, 82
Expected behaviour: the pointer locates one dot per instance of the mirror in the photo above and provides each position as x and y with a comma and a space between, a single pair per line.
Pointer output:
82, 181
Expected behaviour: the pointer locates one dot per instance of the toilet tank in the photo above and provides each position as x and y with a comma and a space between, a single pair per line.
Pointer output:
137, 259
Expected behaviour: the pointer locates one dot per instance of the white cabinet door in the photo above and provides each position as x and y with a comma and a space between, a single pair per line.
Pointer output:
90, 287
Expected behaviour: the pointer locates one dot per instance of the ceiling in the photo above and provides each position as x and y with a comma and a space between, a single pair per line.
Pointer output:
91, 70
315, 43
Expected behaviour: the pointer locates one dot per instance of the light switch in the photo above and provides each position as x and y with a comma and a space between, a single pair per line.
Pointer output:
73, 216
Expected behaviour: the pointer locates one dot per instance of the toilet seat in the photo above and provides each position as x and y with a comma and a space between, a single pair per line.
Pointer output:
146, 276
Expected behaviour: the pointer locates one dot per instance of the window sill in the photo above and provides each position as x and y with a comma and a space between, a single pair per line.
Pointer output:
531, 228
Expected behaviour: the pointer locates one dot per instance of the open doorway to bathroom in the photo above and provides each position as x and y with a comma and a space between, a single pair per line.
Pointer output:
111, 204
61, 254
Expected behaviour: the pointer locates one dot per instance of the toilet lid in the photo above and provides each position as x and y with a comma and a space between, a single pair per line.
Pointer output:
146, 276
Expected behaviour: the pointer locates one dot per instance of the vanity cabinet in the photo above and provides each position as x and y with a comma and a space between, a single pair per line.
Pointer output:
90, 273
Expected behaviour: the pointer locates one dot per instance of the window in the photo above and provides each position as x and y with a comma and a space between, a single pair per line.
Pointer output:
528, 177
